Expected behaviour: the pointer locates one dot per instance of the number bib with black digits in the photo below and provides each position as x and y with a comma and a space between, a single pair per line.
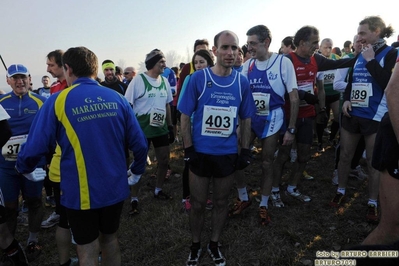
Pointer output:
157, 117
262, 100
218, 121
13, 146
361, 93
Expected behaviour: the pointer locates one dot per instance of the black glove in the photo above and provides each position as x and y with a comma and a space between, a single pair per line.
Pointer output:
190, 155
322, 117
171, 135
244, 159
308, 97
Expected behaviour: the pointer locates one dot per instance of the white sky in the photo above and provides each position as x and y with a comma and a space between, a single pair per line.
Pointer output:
125, 31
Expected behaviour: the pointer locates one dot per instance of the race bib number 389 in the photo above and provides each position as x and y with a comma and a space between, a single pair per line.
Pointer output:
218, 121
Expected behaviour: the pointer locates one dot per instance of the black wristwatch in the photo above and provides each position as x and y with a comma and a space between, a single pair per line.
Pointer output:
291, 130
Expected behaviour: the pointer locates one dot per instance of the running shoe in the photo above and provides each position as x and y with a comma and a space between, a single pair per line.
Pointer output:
193, 258
239, 206
49, 202
297, 195
51, 221
338, 200
33, 251
372, 213
24, 208
134, 209
307, 176
17, 258
22, 219
361, 175
216, 256
276, 199
186, 205
320, 148
264, 216
163, 196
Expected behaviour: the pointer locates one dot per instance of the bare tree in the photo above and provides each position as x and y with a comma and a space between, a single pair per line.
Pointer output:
121, 63
172, 58
142, 68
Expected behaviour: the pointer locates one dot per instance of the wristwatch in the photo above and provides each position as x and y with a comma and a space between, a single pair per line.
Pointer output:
292, 130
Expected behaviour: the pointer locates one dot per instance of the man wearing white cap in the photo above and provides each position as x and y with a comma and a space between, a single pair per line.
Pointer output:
150, 95
22, 107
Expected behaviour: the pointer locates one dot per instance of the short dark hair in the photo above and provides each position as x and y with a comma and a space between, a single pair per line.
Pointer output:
82, 61
347, 44
304, 33
107, 61
57, 56
289, 42
261, 31
45, 76
244, 50
200, 42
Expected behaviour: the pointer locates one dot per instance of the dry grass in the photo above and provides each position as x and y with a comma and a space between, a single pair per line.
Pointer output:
160, 234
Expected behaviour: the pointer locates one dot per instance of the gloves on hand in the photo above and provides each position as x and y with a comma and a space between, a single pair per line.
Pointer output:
308, 97
171, 135
37, 175
244, 159
190, 155
132, 179
322, 117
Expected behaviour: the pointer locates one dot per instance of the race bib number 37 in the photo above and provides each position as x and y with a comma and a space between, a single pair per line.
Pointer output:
13, 146
218, 121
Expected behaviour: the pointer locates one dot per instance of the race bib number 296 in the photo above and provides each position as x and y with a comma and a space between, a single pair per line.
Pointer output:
218, 121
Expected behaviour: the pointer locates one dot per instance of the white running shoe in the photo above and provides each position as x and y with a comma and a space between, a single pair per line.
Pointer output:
51, 221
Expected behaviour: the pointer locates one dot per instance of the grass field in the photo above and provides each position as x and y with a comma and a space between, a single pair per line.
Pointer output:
160, 234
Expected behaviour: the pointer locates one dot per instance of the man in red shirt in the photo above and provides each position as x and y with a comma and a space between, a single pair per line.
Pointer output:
54, 67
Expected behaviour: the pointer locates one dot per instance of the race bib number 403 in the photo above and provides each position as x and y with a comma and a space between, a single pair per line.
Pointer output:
218, 121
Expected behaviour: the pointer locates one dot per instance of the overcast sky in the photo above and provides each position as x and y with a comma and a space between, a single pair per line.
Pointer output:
125, 31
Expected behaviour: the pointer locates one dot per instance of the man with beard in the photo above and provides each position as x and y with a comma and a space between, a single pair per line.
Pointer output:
111, 81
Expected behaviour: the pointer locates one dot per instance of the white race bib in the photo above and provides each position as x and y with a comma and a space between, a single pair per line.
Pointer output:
361, 93
218, 121
262, 101
157, 117
13, 146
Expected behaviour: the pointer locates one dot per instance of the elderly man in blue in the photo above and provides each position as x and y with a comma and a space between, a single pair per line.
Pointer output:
91, 124
22, 106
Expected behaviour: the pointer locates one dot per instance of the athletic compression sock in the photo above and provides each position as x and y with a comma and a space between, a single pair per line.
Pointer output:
264, 201
373, 202
242, 194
